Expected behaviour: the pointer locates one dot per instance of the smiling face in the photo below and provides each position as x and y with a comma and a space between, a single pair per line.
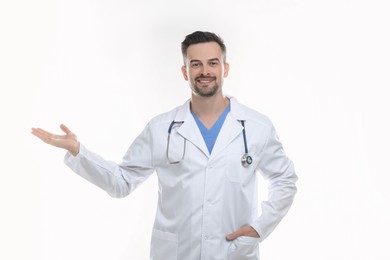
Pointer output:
205, 69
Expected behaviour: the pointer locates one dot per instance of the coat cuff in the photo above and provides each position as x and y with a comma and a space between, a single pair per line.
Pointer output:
257, 226
69, 158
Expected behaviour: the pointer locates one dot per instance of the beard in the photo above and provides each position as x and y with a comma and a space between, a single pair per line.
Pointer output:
204, 90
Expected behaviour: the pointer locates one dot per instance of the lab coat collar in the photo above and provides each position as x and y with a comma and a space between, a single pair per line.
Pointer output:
189, 129
236, 110
229, 131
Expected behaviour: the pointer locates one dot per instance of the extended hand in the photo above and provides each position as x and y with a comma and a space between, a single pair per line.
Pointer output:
67, 141
247, 231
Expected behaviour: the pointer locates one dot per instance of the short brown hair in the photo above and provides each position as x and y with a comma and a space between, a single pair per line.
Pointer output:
200, 37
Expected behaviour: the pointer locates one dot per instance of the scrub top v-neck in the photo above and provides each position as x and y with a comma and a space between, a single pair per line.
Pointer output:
210, 135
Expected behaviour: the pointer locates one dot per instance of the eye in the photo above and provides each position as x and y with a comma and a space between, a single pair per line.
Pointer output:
195, 64
214, 63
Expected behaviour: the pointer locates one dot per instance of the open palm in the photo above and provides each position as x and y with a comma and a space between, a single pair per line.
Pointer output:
67, 141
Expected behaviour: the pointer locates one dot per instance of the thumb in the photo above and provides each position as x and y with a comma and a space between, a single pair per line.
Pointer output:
65, 129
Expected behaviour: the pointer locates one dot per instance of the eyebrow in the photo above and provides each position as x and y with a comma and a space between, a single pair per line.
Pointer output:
213, 59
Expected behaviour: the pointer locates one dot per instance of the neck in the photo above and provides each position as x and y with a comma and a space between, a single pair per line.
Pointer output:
207, 108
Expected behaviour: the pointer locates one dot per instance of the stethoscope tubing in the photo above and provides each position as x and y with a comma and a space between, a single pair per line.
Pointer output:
168, 141
246, 159
244, 135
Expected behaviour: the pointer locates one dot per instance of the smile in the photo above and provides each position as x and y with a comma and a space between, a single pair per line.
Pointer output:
205, 80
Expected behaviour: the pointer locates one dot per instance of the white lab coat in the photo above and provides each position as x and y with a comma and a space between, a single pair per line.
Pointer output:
206, 196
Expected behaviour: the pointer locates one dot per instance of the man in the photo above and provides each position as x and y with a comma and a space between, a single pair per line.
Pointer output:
206, 154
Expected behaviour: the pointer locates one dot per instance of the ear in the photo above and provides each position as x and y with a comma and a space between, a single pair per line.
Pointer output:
184, 72
226, 69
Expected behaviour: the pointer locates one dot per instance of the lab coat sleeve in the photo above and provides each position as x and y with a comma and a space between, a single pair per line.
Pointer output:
275, 167
118, 180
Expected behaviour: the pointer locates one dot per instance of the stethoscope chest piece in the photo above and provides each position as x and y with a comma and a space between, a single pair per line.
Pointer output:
246, 160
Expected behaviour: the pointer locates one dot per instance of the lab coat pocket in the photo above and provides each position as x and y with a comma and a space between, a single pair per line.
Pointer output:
244, 248
236, 172
164, 245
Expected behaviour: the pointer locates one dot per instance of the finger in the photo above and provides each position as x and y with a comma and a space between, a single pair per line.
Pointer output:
35, 131
46, 136
235, 234
42, 134
41, 131
43, 137
65, 129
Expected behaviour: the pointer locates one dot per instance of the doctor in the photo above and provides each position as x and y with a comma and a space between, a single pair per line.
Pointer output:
207, 154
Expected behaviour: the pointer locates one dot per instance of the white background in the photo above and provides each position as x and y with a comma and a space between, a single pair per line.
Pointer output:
318, 69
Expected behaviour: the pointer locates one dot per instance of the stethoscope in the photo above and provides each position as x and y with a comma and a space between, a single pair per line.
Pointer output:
169, 138
246, 159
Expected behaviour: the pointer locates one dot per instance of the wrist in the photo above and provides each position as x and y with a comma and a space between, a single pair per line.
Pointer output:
74, 149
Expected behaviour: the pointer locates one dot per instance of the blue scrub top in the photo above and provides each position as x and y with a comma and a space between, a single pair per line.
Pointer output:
210, 135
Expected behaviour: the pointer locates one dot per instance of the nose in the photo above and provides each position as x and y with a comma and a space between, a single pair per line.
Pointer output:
205, 70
